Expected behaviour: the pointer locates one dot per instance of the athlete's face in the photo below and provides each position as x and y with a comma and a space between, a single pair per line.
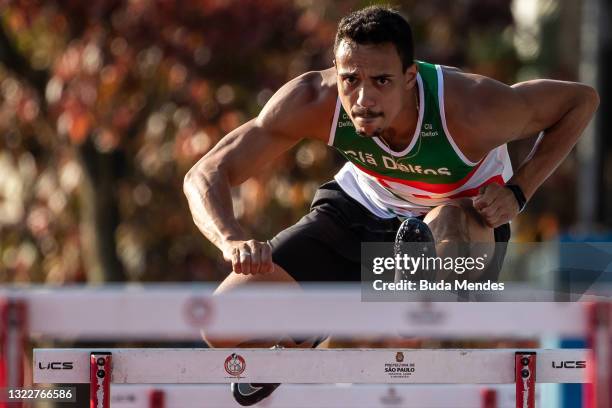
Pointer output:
372, 86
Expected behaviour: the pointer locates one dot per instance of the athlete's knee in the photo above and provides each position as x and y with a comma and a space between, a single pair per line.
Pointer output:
237, 280
449, 223
458, 221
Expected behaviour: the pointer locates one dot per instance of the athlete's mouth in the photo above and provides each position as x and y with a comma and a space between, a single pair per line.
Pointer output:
366, 119
366, 114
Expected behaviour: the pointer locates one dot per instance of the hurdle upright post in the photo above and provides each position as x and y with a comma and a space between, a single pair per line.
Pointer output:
13, 337
598, 392
489, 398
525, 377
157, 399
100, 372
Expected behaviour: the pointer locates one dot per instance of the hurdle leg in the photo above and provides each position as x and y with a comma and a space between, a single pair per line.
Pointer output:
156, 399
13, 327
525, 378
489, 398
598, 390
100, 372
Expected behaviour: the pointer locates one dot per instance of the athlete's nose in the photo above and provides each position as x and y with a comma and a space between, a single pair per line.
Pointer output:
366, 97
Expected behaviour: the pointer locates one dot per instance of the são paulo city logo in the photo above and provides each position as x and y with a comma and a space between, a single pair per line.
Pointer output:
234, 364
400, 368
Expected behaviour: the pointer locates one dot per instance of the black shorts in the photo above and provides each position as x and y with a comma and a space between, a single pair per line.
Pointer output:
325, 245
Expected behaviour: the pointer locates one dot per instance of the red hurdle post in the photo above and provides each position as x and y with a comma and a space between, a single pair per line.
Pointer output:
489, 398
13, 337
525, 378
598, 391
156, 399
100, 372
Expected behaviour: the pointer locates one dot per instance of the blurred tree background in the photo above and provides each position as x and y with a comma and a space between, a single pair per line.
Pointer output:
105, 105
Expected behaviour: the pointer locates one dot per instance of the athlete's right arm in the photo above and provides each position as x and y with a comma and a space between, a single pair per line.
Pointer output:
285, 120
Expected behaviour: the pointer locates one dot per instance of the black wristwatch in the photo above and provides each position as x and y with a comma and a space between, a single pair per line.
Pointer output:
519, 195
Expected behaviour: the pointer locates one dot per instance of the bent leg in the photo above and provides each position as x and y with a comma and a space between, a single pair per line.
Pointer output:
458, 221
235, 281
460, 232
325, 245
304, 252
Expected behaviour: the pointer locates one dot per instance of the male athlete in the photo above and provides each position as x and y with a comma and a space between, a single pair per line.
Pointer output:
422, 141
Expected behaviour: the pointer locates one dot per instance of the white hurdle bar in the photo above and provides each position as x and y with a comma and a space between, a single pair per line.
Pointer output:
135, 313
115, 313
319, 396
308, 366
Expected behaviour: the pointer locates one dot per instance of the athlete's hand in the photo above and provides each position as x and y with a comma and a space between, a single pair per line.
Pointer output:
249, 257
496, 205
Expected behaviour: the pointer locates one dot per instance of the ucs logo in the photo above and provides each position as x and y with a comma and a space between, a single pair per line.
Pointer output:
56, 365
569, 364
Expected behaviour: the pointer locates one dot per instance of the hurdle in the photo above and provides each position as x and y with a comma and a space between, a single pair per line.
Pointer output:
308, 366
124, 313
319, 395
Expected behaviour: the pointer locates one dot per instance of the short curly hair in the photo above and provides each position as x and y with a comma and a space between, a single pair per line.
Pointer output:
378, 25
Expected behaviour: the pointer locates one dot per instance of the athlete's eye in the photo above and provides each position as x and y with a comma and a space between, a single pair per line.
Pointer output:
383, 81
350, 80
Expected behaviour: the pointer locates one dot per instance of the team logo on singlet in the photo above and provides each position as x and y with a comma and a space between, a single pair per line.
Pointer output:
345, 121
427, 130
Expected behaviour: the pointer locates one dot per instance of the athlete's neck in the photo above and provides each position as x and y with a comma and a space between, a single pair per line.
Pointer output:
399, 135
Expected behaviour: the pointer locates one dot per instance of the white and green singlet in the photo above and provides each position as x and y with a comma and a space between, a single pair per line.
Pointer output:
427, 173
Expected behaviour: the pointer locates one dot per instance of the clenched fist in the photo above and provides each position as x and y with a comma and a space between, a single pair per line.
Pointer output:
249, 257
496, 205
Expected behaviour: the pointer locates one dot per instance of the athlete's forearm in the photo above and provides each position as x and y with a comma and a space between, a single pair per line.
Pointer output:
210, 201
555, 144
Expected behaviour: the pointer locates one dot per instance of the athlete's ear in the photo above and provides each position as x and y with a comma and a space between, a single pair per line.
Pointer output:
410, 76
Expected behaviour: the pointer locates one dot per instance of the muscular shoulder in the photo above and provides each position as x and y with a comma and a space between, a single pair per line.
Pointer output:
303, 107
482, 113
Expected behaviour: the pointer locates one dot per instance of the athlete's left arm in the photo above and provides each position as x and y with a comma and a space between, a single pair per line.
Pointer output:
562, 110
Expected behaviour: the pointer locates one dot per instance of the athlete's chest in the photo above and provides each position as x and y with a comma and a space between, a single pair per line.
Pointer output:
429, 157
415, 167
